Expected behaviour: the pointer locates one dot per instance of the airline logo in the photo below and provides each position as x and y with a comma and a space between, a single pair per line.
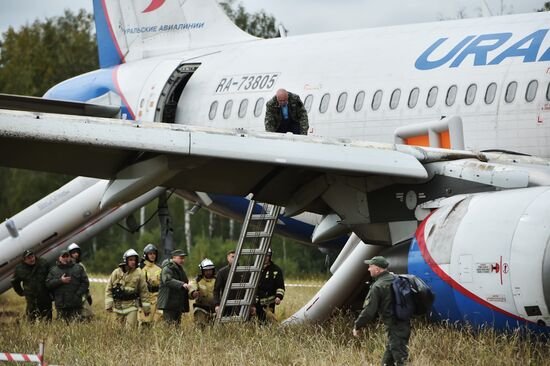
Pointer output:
155, 4
478, 48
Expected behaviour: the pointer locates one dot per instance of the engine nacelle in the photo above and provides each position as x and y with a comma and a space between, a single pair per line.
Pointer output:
487, 258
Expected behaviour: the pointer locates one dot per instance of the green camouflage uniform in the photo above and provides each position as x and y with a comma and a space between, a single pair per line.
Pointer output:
379, 301
296, 111
33, 278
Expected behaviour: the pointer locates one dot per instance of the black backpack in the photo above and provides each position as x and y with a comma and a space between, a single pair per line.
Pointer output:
411, 296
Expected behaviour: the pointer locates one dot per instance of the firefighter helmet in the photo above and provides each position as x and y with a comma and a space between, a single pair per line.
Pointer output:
73, 246
148, 249
206, 264
129, 253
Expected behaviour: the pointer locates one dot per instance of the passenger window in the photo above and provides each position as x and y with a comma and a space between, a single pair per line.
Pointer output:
324, 103
511, 92
227, 109
432, 96
243, 107
470, 94
308, 102
451, 95
376, 100
342, 99
394, 100
548, 92
359, 100
531, 91
490, 93
259, 107
213, 110
413, 97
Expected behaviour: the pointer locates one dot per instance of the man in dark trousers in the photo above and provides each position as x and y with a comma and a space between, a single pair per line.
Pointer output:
69, 283
31, 274
173, 297
379, 301
285, 112
271, 290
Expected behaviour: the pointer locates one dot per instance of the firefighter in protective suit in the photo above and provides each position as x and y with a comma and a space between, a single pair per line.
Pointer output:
202, 290
127, 290
152, 277
75, 252
271, 290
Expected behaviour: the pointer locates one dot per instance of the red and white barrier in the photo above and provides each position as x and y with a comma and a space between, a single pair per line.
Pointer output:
23, 357
106, 280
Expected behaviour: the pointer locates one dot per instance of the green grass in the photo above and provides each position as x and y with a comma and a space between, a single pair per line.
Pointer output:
103, 342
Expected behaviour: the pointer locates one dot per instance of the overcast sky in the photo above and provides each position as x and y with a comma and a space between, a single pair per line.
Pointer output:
302, 16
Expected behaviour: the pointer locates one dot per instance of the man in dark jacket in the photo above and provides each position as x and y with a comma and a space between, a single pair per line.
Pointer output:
69, 283
173, 297
271, 290
32, 273
285, 112
380, 301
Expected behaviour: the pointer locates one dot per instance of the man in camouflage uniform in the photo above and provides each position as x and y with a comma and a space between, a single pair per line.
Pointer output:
174, 286
380, 301
152, 277
285, 112
127, 290
87, 312
32, 273
271, 290
69, 283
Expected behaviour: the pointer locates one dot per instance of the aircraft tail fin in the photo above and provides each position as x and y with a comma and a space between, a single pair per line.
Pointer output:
135, 29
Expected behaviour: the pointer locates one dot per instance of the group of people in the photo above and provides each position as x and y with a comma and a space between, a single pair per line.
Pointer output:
139, 291
66, 284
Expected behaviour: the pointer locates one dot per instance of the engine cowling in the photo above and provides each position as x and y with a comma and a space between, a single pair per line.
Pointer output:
487, 258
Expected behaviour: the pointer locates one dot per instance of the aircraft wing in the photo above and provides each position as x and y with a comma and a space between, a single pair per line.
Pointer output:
137, 156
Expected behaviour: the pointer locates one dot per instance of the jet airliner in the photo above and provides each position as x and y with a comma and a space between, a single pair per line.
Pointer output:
429, 143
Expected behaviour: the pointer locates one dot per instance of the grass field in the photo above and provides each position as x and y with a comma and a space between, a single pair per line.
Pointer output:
103, 342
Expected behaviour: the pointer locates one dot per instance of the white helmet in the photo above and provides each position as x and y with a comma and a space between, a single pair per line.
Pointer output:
206, 264
129, 253
73, 246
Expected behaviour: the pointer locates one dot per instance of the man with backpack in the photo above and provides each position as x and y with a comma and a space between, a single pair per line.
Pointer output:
380, 301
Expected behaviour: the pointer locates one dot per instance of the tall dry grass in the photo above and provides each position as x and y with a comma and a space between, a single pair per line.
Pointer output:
103, 342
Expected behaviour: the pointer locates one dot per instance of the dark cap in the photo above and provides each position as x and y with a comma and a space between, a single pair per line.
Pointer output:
27, 253
378, 261
62, 252
178, 253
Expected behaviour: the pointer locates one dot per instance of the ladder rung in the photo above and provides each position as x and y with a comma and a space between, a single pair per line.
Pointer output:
237, 303
263, 217
240, 286
258, 234
234, 318
247, 269
248, 251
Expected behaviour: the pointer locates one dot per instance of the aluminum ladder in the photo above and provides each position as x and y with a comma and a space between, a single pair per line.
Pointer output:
244, 274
